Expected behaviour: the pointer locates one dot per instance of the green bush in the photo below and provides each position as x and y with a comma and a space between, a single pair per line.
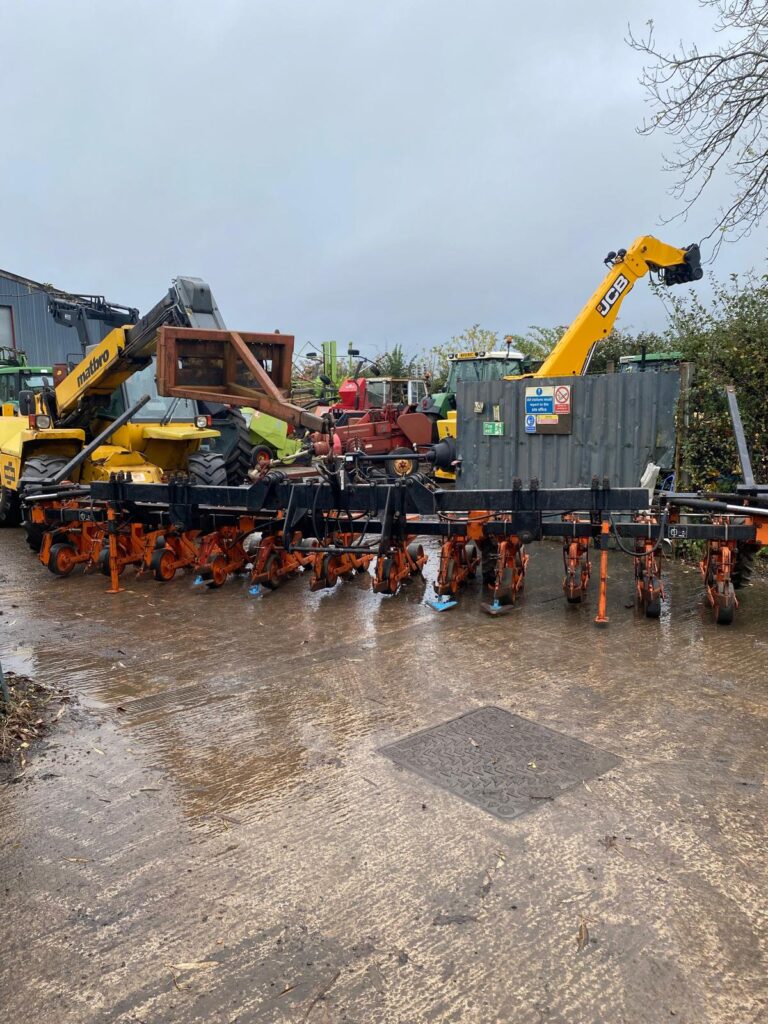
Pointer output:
727, 342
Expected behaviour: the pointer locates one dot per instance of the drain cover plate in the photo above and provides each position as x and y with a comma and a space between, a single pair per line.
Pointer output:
502, 763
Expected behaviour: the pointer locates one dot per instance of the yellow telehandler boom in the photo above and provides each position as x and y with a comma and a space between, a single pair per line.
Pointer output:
572, 353
647, 254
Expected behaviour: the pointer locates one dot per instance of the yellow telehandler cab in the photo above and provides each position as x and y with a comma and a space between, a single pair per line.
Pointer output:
100, 397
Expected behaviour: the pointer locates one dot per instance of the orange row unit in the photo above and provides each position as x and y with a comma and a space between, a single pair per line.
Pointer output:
282, 527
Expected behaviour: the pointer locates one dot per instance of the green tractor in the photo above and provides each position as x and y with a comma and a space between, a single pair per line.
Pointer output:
17, 375
471, 366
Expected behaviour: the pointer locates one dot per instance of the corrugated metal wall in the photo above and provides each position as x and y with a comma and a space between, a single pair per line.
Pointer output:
36, 332
621, 422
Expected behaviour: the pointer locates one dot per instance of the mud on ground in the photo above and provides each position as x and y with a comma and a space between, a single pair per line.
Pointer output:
28, 711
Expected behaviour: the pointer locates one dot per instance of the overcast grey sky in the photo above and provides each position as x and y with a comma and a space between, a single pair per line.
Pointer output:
380, 172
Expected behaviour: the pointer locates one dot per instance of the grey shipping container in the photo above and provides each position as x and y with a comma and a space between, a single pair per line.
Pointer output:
618, 424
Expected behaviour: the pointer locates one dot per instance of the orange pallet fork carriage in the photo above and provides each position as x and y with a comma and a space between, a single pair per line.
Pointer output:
232, 368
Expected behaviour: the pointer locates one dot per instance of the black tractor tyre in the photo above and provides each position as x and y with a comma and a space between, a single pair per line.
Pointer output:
207, 468
10, 507
234, 445
36, 470
744, 565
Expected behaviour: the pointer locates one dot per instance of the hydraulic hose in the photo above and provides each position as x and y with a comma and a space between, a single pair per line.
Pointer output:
656, 547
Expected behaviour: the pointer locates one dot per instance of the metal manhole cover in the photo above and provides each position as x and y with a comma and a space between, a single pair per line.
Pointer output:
498, 761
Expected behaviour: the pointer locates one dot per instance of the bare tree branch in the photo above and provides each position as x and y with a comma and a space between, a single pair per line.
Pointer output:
714, 104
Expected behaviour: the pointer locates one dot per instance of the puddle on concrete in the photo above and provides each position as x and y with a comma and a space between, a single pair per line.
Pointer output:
242, 701
226, 804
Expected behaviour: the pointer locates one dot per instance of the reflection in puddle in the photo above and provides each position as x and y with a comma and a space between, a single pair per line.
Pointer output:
241, 702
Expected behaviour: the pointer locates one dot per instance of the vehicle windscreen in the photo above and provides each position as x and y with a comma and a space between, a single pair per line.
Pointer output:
144, 383
35, 381
482, 369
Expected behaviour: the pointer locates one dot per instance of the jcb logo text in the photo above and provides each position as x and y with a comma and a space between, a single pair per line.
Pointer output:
613, 295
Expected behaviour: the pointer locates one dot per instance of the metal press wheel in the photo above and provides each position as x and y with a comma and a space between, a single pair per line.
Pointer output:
405, 465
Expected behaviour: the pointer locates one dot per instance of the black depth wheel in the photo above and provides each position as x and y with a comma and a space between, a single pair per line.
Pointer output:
261, 456
744, 565
271, 567
103, 563
726, 604
506, 593
162, 564
416, 551
61, 561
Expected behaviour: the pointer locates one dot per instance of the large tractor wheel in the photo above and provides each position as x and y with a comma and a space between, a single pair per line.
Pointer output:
10, 507
207, 468
234, 445
36, 470
744, 564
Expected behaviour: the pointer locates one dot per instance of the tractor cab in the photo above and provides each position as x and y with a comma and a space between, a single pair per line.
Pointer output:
16, 375
482, 366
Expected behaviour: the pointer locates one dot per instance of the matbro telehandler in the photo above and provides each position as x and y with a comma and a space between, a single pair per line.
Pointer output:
105, 415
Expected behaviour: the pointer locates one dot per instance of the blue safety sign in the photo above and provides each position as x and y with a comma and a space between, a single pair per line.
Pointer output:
540, 405
530, 423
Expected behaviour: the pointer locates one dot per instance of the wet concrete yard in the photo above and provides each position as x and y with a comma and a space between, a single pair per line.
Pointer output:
214, 835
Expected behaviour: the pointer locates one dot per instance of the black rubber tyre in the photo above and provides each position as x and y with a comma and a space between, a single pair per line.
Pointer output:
207, 468
260, 454
416, 551
652, 608
216, 575
103, 562
488, 567
323, 583
406, 465
506, 593
472, 554
161, 564
741, 572
234, 445
36, 470
61, 559
450, 572
386, 573
272, 564
10, 507
724, 614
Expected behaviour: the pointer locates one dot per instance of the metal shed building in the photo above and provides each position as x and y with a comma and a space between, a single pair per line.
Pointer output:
26, 325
